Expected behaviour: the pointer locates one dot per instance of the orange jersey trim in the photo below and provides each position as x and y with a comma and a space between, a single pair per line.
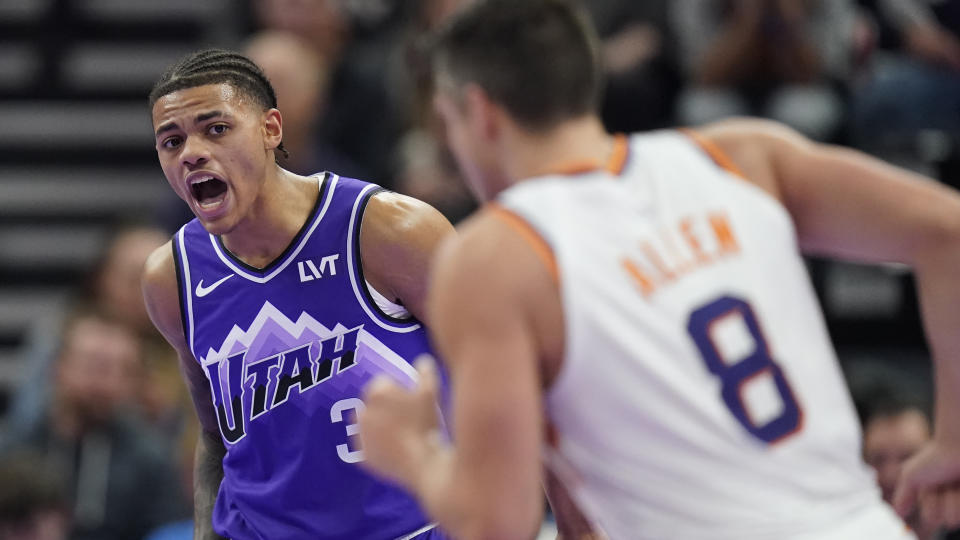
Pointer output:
527, 232
716, 154
618, 158
614, 165
576, 167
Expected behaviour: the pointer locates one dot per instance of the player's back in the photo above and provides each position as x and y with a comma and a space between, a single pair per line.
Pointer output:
700, 396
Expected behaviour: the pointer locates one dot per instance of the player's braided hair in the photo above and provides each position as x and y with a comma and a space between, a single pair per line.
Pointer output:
215, 66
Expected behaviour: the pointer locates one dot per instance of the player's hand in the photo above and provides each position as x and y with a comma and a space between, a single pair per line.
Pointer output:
931, 480
399, 428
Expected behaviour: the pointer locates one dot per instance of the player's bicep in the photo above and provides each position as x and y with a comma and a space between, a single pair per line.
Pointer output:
851, 205
489, 350
161, 297
844, 203
495, 392
398, 239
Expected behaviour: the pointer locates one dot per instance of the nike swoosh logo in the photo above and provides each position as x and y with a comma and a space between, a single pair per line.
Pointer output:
203, 291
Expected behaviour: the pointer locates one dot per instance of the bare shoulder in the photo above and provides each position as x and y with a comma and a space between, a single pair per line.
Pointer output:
392, 216
483, 248
489, 264
159, 273
398, 238
508, 283
733, 128
756, 146
161, 294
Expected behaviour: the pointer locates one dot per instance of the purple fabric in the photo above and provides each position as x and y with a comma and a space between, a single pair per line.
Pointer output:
288, 349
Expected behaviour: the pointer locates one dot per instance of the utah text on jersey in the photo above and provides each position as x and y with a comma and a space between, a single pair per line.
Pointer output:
276, 359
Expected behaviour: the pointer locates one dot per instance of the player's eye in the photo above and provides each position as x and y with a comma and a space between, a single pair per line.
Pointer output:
217, 129
171, 142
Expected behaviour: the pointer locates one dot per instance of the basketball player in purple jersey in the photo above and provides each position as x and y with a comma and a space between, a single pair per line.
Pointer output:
283, 297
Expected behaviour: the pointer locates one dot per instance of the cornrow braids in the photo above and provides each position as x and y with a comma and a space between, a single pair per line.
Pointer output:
216, 66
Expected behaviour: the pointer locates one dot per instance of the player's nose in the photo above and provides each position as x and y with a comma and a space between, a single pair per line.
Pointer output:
194, 153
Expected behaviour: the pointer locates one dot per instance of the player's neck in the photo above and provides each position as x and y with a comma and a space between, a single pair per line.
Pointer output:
284, 205
574, 146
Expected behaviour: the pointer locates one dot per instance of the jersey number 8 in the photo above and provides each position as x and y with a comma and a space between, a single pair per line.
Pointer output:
734, 373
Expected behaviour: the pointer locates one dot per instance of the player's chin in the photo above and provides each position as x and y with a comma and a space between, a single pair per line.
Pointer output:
218, 223
218, 226
216, 216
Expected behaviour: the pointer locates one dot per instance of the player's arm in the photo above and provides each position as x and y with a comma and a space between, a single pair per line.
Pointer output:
849, 205
398, 239
486, 285
162, 299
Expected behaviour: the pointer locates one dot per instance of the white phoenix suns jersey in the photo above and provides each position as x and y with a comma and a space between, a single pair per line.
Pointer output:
700, 396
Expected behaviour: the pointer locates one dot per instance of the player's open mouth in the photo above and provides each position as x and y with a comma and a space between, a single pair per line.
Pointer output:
208, 190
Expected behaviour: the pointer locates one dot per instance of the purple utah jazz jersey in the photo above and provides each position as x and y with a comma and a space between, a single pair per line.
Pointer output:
287, 350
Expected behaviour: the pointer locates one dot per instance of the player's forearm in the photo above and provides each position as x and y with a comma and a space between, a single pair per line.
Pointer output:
208, 473
935, 268
465, 505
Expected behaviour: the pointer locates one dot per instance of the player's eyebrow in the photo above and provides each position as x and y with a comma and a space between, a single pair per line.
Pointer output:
208, 115
202, 117
165, 127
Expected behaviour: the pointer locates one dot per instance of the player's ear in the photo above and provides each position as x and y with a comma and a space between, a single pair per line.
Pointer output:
272, 129
481, 112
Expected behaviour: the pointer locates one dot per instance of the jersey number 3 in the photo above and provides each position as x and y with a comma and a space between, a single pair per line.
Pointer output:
735, 372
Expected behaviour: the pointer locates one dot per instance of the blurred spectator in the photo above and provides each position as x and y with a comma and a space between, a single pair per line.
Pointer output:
423, 165
322, 23
33, 500
358, 120
783, 59
118, 472
638, 58
114, 284
927, 30
913, 86
185, 450
893, 430
112, 288
895, 427
427, 172
300, 76
411, 84
115, 290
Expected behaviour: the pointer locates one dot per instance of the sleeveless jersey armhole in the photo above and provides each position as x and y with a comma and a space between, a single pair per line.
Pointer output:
721, 158
545, 253
382, 307
181, 288
387, 306
184, 286
530, 235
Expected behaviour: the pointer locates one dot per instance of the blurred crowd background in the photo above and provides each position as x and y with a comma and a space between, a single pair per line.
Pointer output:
96, 429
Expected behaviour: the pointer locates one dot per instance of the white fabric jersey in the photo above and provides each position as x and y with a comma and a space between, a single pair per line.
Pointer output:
700, 396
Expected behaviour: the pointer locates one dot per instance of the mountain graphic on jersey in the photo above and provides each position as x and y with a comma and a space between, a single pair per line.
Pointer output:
277, 360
